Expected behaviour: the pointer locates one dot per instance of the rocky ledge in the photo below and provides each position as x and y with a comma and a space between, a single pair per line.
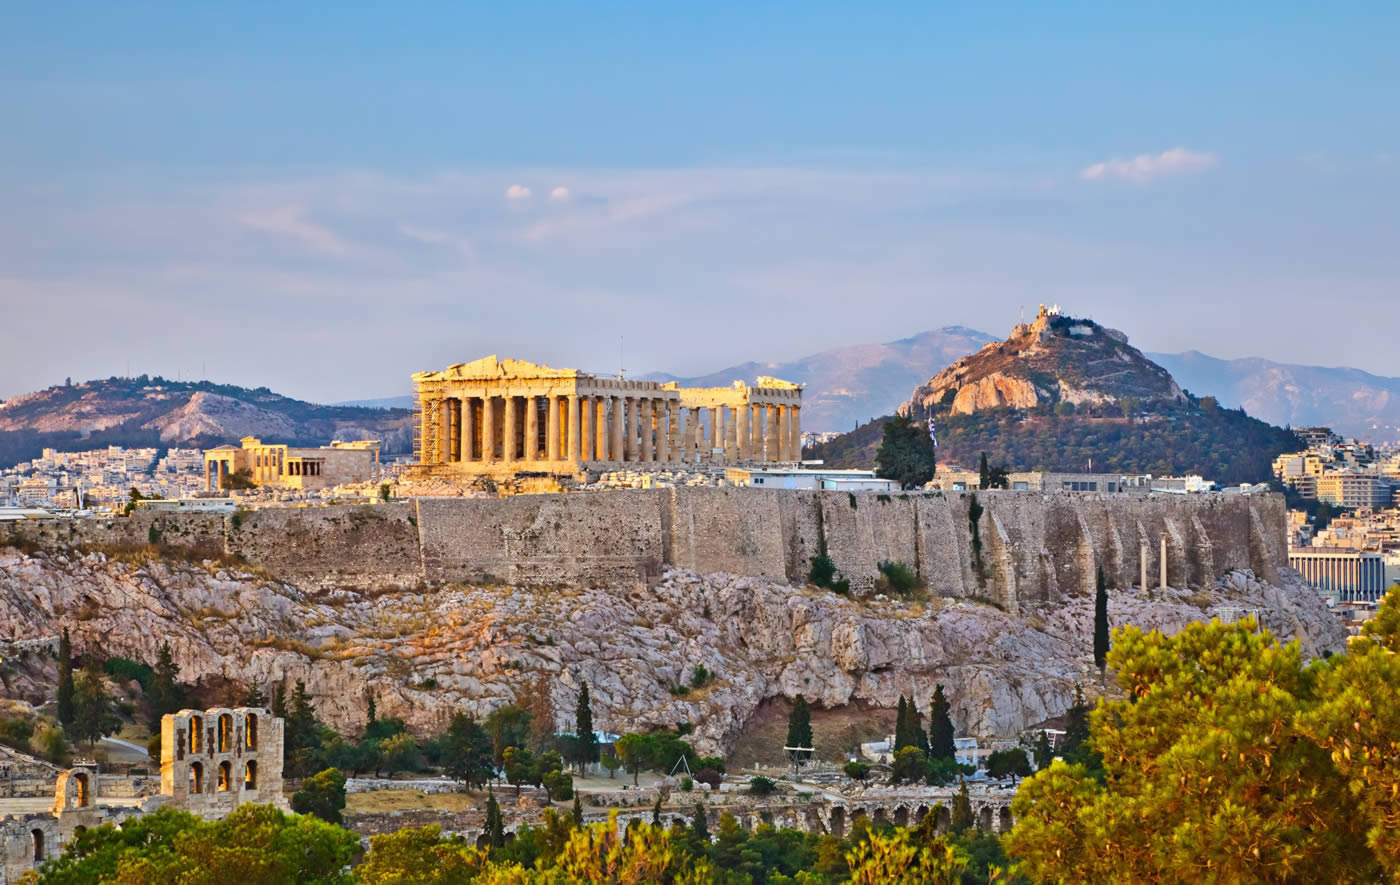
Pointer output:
435, 650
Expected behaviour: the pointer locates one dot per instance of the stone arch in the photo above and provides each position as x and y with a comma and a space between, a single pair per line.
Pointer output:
196, 734
196, 777
984, 819
250, 775
857, 814
37, 835
225, 776
919, 814
225, 732
814, 822
901, 816
880, 818
79, 830
483, 841
250, 731
1004, 819
838, 821
83, 789
941, 818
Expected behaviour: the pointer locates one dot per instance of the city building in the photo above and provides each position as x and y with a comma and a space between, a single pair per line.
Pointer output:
798, 478
501, 418
1346, 574
292, 467
1350, 490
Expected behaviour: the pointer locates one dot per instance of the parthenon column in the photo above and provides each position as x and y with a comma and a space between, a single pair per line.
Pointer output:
796, 423
585, 429
770, 447
551, 433
1164, 560
716, 438
532, 429
629, 428
755, 432
468, 409
488, 428
644, 419
741, 419
731, 436
600, 428
575, 438
693, 436
662, 422
615, 430
508, 451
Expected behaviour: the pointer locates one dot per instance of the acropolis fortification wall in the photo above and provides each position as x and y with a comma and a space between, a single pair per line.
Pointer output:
1029, 547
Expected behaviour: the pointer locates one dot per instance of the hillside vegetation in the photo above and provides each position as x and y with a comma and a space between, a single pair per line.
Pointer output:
1172, 439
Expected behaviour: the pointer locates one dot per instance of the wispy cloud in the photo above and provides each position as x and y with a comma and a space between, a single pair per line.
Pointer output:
288, 221
517, 192
559, 194
1143, 167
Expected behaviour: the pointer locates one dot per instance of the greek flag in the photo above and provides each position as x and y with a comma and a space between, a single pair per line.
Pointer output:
932, 432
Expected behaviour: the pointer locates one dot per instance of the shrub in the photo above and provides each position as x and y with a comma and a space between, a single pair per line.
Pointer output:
700, 676
687, 784
1004, 763
709, 776
762, 786
126, 668
823, 570
896, 578
858, 771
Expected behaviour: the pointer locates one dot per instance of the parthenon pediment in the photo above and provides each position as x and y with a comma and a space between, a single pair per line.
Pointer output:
777, 383
493, 367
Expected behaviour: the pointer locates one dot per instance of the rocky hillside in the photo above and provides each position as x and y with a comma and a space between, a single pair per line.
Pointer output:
157, 412
1352, 402
430, 651
1052, 360
850, 385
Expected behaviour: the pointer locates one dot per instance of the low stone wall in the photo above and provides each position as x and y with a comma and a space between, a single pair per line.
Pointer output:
1024, 547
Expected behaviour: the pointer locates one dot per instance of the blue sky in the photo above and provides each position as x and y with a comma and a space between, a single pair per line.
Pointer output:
250, 190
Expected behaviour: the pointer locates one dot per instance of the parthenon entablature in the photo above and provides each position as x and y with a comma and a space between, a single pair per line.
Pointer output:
498, 417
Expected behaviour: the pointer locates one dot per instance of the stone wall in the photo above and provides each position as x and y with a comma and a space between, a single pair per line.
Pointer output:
1034, 547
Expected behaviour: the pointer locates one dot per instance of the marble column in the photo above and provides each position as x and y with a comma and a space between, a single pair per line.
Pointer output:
731, 436
663, 430
629, 428
755, 432
770, 444
585, 428
575, 437
1142, 557
694, 435
551, 432
600, 428
532, 429
468, 448
488, 428
1164, 560
716, 437
508, 435
741, 418
796, 433
645, 420
615, 430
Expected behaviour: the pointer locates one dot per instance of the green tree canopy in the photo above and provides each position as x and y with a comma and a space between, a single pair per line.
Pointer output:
322, 795
906, 453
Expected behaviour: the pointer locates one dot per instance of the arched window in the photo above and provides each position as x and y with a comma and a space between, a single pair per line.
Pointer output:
250, 731
250, 776
196, 734
225, 733
225, 775
197, 777
38, 845
84, 795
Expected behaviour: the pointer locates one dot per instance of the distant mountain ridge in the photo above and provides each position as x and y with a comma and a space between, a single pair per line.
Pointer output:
153, 411
1352, 402
847, 386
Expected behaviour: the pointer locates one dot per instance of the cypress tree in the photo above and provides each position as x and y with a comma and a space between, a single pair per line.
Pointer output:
65, 681
901, 727
495, 824
585, 738
917, 735
91, 703
165, 687
1100, 623
799, 733
984, 470
279, 701
699, 828
656, 812
578, 811
940, 727
961, 820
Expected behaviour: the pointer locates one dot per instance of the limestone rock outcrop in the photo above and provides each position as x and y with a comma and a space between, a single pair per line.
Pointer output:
1053, 359
432, 650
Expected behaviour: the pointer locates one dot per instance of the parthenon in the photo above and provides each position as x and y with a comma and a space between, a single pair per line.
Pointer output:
498, 417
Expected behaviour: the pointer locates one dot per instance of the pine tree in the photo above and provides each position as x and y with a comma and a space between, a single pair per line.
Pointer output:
578, 811
65, 681
961, 819
1042, 753
940, 727
1100, 623
279, 701
254, 696
585, 738
656, 812
370, 710
1076, 725
799, 732
495, 824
